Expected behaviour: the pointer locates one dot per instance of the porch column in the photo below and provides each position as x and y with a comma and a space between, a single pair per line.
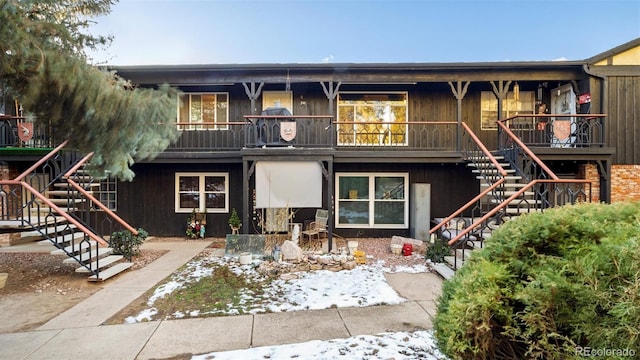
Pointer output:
253, 94
459, 91
500, 91
331, 92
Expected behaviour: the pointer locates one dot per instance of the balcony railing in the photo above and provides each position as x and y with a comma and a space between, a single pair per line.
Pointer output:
21, 132
317, 132
321, 131
555, 130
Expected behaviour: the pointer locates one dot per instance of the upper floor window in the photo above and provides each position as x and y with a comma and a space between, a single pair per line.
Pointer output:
510, 107
372, 119
203, 111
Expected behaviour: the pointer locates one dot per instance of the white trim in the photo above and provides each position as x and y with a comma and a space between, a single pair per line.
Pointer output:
201, 177
372, 201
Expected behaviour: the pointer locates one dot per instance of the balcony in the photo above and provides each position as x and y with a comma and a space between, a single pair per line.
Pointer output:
321, 131
556, 131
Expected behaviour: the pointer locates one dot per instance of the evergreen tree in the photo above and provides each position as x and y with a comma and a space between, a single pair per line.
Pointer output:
43, 63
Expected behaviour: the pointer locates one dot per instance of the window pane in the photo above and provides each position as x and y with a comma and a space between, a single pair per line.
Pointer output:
196, 109
189, 201
183, 114
221, 110
354, 187
353, 212
389, 212
189, 183
215, 201
389, 188
208, 109
214, 183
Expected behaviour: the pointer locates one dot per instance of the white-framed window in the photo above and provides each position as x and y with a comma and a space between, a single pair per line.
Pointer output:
278, 99
203, 111
510, 107
202, 190
107, 193
372, 119
372, 200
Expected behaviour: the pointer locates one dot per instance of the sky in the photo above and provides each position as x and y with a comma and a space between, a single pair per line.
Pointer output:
321, 289
170, 32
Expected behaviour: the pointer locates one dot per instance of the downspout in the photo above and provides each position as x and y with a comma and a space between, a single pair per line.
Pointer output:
605, 191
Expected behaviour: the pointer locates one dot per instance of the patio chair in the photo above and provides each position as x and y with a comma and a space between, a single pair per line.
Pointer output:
316, 228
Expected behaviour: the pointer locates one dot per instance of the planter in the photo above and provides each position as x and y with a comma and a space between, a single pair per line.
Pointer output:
245, 258
3, 279
235, 229
353, 246
396, 248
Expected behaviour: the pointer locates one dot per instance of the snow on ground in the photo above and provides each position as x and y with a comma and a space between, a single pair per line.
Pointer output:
363, 286
396, 346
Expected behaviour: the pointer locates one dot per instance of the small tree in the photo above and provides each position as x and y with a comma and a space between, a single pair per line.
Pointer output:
234, 219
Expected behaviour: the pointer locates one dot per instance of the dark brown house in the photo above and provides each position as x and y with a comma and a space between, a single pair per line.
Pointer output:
386, 148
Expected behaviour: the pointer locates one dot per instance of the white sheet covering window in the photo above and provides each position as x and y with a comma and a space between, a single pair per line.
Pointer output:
288, 184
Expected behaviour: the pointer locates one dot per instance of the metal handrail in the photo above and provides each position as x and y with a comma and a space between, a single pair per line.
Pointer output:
524, 147
41, 161
495, 185
502, 205
55, 207
108, 211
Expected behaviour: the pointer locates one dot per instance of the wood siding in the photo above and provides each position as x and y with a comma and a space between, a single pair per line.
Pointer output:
623, 107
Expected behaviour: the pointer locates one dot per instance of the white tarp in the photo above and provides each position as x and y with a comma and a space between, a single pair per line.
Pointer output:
288, 184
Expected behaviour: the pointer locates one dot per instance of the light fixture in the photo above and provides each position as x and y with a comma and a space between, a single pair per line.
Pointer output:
516, 92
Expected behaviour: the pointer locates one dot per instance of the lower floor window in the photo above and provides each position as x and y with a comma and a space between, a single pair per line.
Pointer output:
372, 200
202, 191
107, 193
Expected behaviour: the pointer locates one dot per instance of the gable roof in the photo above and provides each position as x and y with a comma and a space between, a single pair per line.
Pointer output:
625, 54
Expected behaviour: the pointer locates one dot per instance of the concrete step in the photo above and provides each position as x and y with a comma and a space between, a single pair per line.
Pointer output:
112, 271
66, 201
520, 211
83, 185
491, 171
444, 270
86, 257
102, 262
76, 248
484, 158
64, 239
35, 235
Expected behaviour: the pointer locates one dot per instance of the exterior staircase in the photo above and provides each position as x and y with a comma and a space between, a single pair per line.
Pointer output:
55, 213
507, 190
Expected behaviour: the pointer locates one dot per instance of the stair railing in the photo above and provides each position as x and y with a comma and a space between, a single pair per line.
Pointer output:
558, 191
569, 197
474, 149
68, 176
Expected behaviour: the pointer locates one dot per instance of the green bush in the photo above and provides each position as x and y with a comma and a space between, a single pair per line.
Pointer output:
548, 286
126, 243
437, 250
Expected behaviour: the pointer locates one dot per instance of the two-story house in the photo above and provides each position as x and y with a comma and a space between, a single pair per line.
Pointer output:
385, 148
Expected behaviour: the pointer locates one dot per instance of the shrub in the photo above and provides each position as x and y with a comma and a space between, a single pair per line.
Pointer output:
437, 250
126, 243
548, 286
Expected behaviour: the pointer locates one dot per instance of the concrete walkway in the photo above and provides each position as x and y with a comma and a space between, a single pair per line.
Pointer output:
79, 333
